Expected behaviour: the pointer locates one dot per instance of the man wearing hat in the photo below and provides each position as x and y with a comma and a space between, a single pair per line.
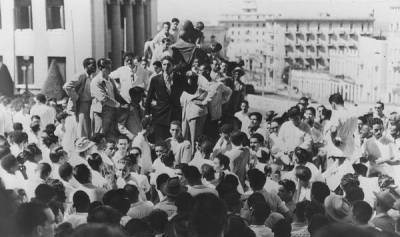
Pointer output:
172, 189
337, 209
384, 202
83, 148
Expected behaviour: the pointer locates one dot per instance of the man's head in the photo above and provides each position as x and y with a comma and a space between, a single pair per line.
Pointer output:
9, 163
192, 175
166, 42
377, 128
175, 129
123, 143
225, 131
40, 98
379, 107
215, 65
336, 100
205, 70
309, 115
208, 217
157, 66
89, 64
255, 119
274, 127
303, 174
257, 179
104, 65
128, 59
175, 23
221, 162
35, 219
81, 201
244, 106
303, 101
294, 115
82, 174
110, 148
287, 188
301, 155
166, 26
361, 213
161, 149
319, 191
256, 141
167, 64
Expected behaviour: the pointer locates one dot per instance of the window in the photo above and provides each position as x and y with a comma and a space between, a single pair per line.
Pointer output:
55, 14
25, 70
60, 63
23, 14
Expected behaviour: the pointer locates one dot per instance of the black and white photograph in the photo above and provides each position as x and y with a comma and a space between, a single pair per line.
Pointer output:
199, 118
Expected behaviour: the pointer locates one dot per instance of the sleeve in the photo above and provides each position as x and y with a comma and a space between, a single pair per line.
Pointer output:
150, 96
226, 94
70, 87
186, 152
115, 74
100, 94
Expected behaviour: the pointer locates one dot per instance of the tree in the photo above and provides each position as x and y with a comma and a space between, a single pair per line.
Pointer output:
53, 86
6, 82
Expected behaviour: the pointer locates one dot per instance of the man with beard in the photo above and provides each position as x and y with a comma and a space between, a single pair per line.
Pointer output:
78, 90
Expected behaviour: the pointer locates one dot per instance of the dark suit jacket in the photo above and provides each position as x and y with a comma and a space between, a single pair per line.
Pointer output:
74, 89
168, 106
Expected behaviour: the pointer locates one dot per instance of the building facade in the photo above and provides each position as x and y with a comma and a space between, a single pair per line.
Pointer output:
33, 33
305, 42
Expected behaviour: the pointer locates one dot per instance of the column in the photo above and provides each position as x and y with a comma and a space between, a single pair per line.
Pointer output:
116, 35
147, 19
129, 25
139, 28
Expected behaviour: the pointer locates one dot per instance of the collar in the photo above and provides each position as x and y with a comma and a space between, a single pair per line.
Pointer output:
382, 214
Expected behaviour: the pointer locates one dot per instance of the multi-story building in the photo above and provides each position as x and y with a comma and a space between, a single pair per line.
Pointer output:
304, 42
246, 34
214, 34
33, 33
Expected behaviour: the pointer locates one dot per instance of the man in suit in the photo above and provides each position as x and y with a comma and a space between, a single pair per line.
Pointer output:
106, 100
163, 100
78, 89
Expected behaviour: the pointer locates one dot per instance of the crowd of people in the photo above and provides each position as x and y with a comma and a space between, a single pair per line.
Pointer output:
165, 145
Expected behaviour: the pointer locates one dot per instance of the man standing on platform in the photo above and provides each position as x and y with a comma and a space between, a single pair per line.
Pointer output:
163, 100
129, 76
106, 99
78, 90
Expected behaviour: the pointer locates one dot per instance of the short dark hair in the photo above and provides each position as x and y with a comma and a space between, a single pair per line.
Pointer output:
44, 170
133, 192
18, 127
56, 154
103, 62
294, 112
8, 161
138, 227
44, 193
157, 64
304, 98
208, 216
261, 211
65, 171
35, 117
167, 57
146, 121
167, 23
135, 91
258, 136
300, 210
336, 98
41, 98
161, 180
303, 173
175, 20
354, 193
86, 62
302, 155
257, 179
29, 216
257, 114
319, 191
97, 138
60, 116
128, 55
95, 161
288, 185
376, 121
191, 174
158, 220
82, 173
226, 128
223, 160
120, 201
20, 137
237, 138
313, 111
381, 103
245, 101
81, 201
362, 211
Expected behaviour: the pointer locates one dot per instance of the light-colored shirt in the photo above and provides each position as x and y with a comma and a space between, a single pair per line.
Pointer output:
198, 189
292, 136
244, 118
261, 231
145, 161
129, 78
77, 219
140, 209
46, 113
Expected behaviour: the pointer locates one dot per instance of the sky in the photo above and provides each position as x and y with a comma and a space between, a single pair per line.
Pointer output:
209, 11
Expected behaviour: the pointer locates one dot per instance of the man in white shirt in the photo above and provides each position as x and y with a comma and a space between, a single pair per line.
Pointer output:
46, 113
129, 76
293, 133
143, 144
243, 115
378, 113
195, 186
